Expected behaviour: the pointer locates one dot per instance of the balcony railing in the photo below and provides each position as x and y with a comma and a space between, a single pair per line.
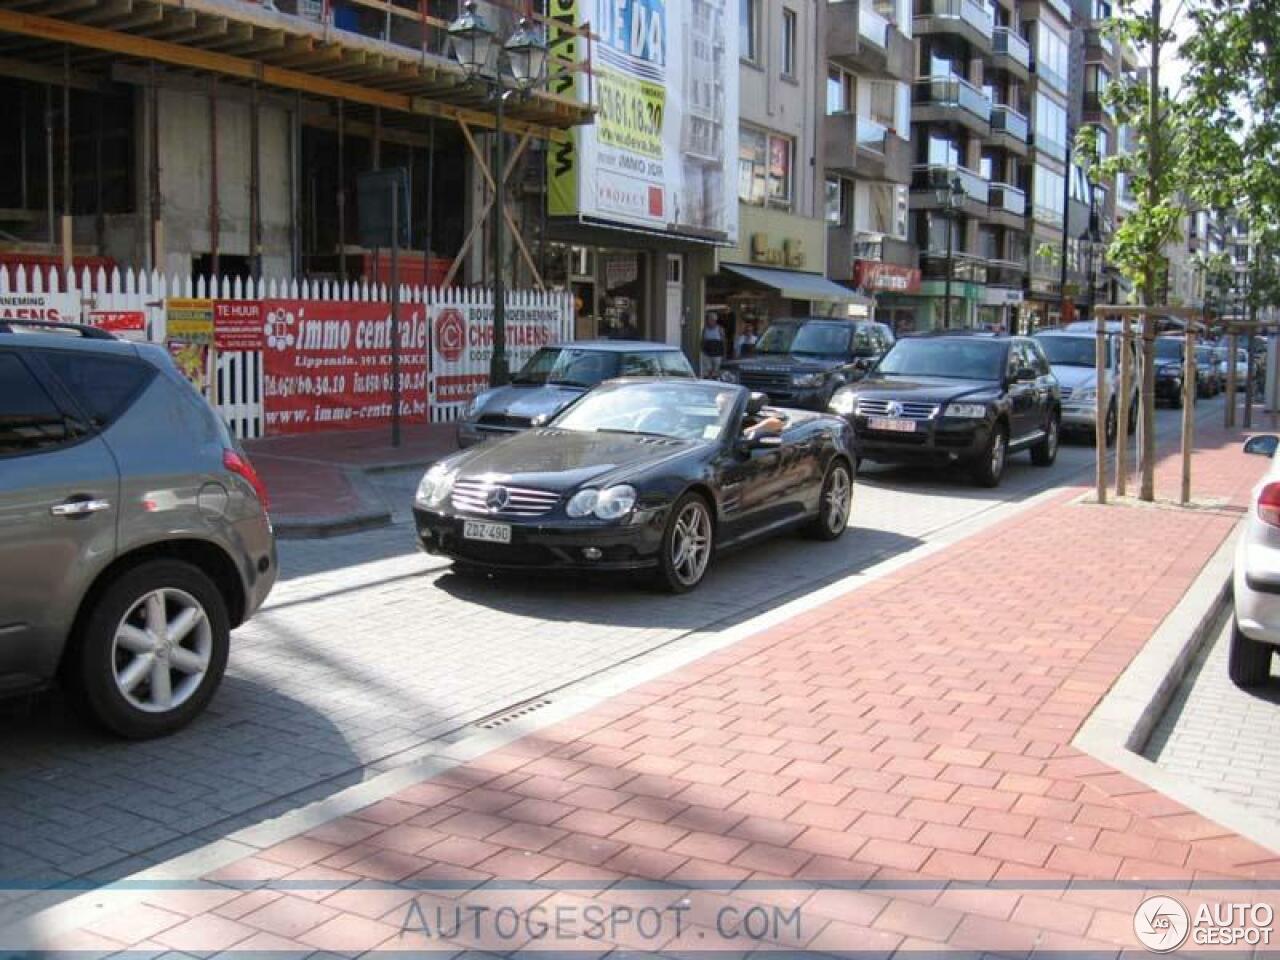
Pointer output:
1094, 37
1005, 119
953, 91
871, 135
930, 176
1007, 197
1062, 7
872, 27
968, 11
1005, 41
1052, 147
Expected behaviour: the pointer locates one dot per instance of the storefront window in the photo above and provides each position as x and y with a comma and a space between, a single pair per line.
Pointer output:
764, 168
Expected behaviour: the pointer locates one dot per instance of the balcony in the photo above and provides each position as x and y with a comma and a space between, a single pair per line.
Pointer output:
1096, 39
951, 100
1007, 205
962, 18
860, 39
1011, 53
1095, 111
886, 249
928, 180
860, 147
1009, 129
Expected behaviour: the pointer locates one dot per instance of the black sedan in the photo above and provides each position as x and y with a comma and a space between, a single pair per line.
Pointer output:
640, 475
969, 399
558, 375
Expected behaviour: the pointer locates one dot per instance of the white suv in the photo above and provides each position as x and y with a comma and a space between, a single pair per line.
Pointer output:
1256, 633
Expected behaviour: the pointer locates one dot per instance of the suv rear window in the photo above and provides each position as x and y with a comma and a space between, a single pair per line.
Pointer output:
29, 419
102, 386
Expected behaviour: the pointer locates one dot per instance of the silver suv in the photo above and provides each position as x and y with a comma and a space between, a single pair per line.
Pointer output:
133, 532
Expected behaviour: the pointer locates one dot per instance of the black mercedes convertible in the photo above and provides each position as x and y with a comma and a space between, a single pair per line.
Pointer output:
640, 475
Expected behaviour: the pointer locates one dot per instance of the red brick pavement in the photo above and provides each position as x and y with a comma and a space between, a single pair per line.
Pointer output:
896, 763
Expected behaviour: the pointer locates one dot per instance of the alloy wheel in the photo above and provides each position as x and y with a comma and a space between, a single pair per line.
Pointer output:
839, 494
161, 650
691, 544
997, 454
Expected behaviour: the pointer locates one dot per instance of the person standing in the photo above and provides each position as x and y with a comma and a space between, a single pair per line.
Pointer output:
744, 345
712, 346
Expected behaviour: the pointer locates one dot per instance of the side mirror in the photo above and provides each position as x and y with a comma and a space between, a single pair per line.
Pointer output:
541, 420
1023, 375
1264, 445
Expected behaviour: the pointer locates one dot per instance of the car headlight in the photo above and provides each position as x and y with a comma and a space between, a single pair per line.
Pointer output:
729, 376
843, 402
435, 485
1085, 395
969, 411
611, 504
807, 380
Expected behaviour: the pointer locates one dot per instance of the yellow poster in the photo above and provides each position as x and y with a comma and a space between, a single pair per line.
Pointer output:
563, 157
631, 113
189, 320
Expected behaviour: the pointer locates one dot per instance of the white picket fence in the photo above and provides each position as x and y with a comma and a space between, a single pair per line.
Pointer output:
238, 382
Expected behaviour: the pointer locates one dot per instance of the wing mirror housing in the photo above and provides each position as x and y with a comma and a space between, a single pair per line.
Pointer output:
541, 420
1263, 445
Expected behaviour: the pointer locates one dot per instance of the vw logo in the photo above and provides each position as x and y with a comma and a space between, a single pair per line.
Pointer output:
894, 408
497, 499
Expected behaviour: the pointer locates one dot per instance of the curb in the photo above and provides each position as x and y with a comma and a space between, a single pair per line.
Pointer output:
1120, 726
299, 527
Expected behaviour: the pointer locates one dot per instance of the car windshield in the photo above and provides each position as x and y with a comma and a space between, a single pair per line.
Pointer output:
569, 366
694, 411
808, 339
1168, 349
951, 358
1069, 351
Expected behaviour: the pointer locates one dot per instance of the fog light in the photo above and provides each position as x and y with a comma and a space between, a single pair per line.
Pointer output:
592, 553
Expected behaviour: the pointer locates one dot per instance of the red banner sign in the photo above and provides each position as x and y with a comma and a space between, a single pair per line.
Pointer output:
872, 275
237, 325
327, 366
119, 321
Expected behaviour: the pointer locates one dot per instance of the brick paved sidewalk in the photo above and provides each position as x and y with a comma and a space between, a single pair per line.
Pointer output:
895, 765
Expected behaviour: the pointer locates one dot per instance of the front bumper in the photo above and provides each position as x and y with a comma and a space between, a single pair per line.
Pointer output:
546, 545
1168, 389
1079, 416
937, 441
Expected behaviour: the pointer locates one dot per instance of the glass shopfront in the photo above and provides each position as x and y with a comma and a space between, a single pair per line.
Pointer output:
609, 288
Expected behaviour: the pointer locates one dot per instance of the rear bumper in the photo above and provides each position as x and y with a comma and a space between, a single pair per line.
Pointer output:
546, 546
1256, 582
259, 561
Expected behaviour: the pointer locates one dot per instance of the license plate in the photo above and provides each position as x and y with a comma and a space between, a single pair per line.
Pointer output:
486, 532
892, 425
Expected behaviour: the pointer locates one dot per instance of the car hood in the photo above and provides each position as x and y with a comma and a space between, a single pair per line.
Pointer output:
1076, 378
922, 389
784, 363
563, 460
527, 402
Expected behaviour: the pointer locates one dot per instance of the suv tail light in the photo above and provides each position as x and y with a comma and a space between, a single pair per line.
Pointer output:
1269, 504
240, 465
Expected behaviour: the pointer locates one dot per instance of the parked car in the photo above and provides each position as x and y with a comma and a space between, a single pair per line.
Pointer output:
1256, 577
1208, 373
957, 398
646, 475
136, 534
801, 362
1169, 357
1073, 360
558, 375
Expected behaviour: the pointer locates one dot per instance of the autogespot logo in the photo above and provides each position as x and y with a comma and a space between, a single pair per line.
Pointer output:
1161, 924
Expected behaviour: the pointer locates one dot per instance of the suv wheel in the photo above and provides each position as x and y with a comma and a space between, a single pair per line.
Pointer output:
1248, 661
153, 649
1046, 451
989, 467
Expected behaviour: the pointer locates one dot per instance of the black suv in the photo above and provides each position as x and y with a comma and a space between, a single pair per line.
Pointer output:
956, 398
801, 362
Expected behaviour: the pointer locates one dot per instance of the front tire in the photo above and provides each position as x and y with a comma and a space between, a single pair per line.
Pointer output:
153, 650
1046, 451
688, 543
1248, 661
834, 504
989, 468
1113, 423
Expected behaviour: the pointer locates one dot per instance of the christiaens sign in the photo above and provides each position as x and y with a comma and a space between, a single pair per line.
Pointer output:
665, 79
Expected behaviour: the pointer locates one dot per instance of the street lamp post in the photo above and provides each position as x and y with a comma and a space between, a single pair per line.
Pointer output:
525, 52
949, 198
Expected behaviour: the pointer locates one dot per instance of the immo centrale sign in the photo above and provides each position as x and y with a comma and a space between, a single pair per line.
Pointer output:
660, 154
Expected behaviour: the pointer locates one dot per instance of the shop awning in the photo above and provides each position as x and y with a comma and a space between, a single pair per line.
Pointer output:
798, 286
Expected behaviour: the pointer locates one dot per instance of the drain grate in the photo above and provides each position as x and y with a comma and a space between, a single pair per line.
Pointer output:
497, 720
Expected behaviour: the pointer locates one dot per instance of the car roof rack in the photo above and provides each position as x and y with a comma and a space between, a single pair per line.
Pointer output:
84, 329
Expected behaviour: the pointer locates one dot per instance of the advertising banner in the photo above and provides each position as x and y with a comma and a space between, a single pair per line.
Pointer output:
190, 321
327, 365
237, 325
49, 307
874, 276
666, 133
463, 341
119, 321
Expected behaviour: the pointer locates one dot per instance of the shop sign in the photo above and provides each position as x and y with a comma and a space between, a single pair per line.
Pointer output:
119, 321
237, 325
666, 121
790, 253
1002, 296
327, 365
47, 307
620, 270
187, 320
876, 277
463, 341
